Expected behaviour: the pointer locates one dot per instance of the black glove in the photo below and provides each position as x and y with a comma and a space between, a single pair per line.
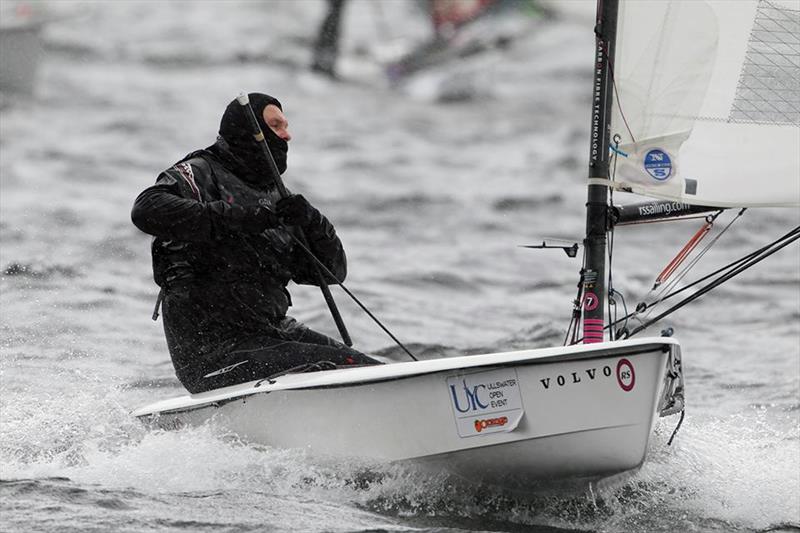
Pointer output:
251, 219
294, 210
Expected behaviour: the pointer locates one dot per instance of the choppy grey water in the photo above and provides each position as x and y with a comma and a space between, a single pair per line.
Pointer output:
431, 200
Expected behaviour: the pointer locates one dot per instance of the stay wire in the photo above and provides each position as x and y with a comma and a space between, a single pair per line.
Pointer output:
624, 310
616, 92
610, 236
664, 290
672, 284
739, 265
770, 249
350, 294
576, 309
734, 264
572, 330
729, 267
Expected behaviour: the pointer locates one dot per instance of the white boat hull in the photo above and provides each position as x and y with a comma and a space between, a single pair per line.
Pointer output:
582, 412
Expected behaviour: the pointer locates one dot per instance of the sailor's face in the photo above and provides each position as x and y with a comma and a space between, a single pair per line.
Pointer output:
275, 119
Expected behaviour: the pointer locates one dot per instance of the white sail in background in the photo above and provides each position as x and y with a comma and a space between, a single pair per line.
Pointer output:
708, 101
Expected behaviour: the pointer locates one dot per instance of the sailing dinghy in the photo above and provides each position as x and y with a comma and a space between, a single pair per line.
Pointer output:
701, 111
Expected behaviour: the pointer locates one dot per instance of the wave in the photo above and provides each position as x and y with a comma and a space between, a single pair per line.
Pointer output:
155, 384
536, 335
521, 204
407, 201
39, 271
91, 452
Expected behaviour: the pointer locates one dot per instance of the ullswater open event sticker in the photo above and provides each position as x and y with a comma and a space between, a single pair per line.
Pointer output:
485, 402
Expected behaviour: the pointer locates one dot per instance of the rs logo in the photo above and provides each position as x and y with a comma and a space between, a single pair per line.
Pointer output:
470, 396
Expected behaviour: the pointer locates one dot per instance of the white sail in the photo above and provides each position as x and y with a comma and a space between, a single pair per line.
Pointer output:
707, 103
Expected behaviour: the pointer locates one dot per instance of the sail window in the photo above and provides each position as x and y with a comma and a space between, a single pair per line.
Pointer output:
767, 92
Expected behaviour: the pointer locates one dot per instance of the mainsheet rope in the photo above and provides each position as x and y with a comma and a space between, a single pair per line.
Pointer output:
322, 266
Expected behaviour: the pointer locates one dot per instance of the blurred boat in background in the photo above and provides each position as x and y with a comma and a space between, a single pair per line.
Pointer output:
21, 49
463, 29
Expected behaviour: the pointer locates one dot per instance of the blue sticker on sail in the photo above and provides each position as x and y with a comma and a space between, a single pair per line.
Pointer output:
658, 164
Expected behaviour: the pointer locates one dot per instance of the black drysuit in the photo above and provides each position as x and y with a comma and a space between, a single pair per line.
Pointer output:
224, 297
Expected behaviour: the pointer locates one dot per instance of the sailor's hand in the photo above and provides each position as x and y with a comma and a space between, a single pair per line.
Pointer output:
251, 219
294, 210
264, 218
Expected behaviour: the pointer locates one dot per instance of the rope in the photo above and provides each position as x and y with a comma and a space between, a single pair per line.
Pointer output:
668, 287
351, 295
724, 273
767, 251
616, 94
576, 313
576, 307
616, 149
675, 431
610, 235
733, 264
624, 318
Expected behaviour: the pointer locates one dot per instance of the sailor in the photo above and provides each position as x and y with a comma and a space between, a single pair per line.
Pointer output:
223, 256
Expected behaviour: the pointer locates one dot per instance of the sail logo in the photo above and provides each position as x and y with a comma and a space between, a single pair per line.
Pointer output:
658, 164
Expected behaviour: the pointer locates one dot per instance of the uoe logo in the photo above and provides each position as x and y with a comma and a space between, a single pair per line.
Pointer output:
471, 398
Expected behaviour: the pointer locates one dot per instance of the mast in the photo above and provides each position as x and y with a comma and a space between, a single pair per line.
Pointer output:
594, 274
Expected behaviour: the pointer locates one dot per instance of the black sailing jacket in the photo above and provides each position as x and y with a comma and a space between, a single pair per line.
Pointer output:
222, 284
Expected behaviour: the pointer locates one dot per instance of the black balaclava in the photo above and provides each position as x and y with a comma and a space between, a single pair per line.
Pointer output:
249, 161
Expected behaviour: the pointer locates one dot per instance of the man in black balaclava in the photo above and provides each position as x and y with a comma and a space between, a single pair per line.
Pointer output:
223, 256
235, 129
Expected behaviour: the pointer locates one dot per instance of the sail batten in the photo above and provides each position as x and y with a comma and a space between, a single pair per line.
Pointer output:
708, 102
